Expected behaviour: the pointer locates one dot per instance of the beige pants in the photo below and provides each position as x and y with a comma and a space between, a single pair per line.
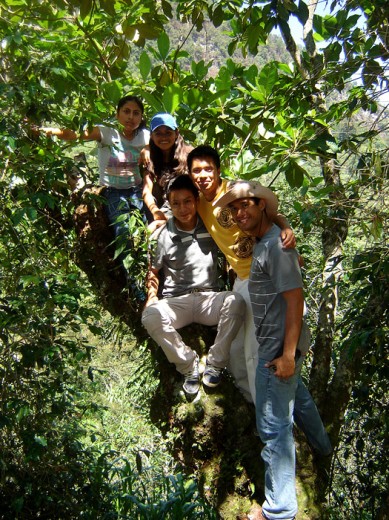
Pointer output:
244, 348
163, 318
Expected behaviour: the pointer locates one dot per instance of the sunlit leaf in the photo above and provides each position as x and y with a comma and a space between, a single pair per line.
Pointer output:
163, 45
172, 97
144, 65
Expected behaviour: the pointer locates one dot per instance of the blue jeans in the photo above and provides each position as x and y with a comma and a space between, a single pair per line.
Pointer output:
308, 419
122, 202
274, 412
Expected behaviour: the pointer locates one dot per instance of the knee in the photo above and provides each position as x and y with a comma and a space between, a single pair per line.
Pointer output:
151, 317
235, 304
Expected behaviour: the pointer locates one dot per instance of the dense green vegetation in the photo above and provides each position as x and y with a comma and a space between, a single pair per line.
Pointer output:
78, 432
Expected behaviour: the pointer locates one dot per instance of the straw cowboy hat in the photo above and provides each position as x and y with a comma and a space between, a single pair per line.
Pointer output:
248, 189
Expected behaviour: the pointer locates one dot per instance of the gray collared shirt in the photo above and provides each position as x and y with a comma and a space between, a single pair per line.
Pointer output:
187, 260
274, 270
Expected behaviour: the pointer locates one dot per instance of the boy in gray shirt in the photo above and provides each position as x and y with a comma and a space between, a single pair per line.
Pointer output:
186, 255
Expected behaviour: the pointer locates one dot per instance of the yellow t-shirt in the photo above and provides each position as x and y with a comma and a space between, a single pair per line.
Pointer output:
236, 246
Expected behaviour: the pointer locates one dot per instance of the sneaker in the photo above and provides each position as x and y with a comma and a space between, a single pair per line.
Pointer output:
192, 379
212, 375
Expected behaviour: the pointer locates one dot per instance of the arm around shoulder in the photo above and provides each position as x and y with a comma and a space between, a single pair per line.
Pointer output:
287, 234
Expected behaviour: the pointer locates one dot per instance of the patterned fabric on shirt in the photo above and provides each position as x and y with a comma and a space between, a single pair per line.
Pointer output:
118, 158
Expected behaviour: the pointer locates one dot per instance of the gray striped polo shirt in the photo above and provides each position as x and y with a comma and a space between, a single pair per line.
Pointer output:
274, 270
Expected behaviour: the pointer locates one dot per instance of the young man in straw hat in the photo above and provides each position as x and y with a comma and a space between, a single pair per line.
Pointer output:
276, 294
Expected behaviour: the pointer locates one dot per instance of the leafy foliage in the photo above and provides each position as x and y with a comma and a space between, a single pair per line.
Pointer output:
313, 126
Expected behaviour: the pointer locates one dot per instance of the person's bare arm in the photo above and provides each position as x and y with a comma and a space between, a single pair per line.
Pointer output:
147, 194
287, 235
144, 157
285, 365
152, 285
66, 134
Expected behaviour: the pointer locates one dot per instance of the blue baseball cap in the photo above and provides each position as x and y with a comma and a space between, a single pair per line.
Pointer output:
163, 119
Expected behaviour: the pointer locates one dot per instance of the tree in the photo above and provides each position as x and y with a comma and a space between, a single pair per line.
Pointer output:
66, 63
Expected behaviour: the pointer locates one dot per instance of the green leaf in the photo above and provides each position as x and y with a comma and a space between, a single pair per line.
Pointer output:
351, 22
23, 411
40, 440
232, 47
294, 174
172, 97
308, 217
200, 69
302, 12
268, 77
26, 280
147, 31
259, 94
144, 65
108, 6
217, 15
167, 8
332, 52
113, 91
255, 35
331, 25
31, 213
163, 43
282, 12
85, 8
194, 98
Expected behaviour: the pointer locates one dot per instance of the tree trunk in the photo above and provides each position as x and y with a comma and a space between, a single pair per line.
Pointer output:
94, 255
335, 228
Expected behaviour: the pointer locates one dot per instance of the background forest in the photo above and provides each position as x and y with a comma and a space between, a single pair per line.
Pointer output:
92, 421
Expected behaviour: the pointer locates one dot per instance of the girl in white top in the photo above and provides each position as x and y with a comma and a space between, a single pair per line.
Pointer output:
119, 171
118, 157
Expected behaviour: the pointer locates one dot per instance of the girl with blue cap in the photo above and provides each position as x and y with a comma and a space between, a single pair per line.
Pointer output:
164, 159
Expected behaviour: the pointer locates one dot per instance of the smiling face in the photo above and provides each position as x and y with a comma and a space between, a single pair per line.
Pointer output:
206, 176
184, 208
249, 215
130, 117
164, 137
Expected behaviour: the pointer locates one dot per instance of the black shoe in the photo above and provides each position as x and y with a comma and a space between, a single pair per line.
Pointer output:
212, 375
192, 379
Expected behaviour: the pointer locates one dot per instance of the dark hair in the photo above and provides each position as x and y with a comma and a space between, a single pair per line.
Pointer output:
127, 99
201, 152
182, 182
176, 165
